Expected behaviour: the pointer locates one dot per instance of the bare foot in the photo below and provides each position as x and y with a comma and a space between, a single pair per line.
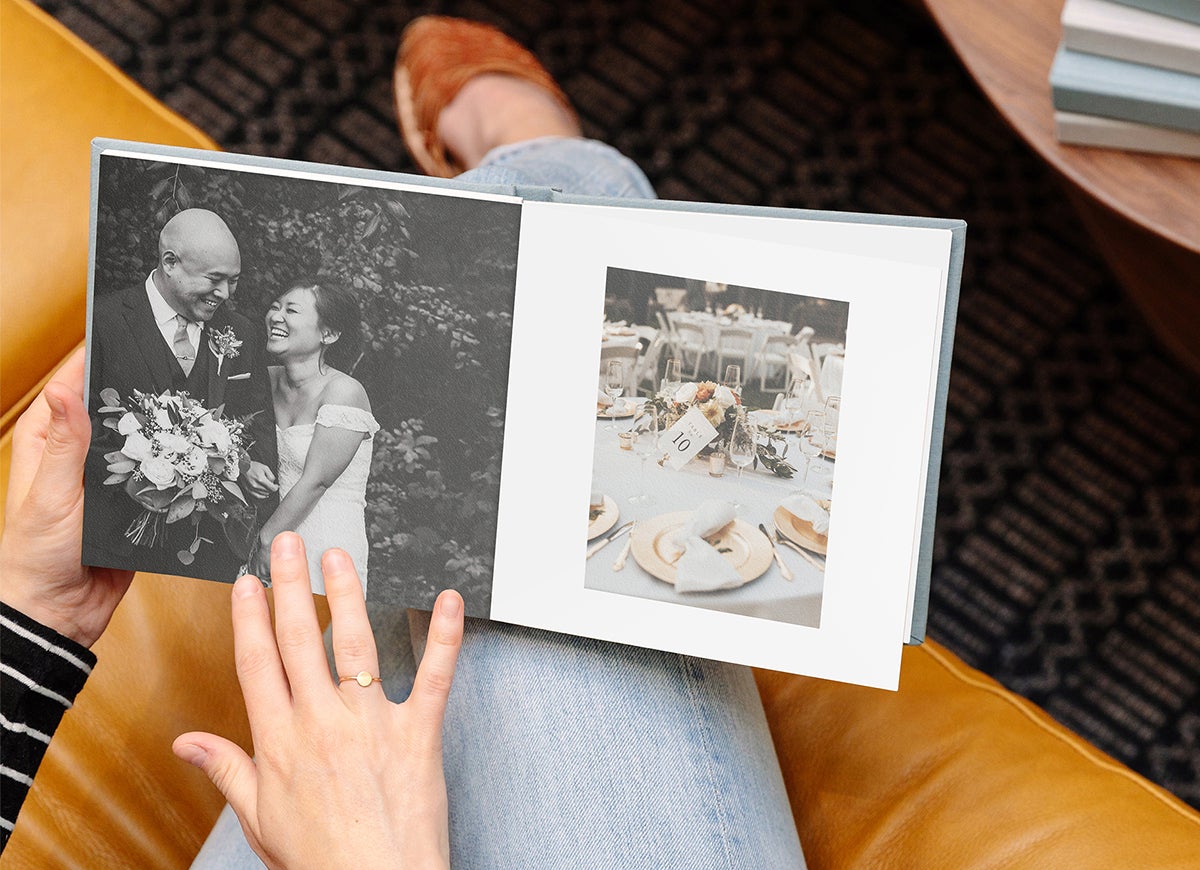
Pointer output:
493, 110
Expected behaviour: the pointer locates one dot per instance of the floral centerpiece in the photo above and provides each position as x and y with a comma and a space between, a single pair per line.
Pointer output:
721, 406
179, 460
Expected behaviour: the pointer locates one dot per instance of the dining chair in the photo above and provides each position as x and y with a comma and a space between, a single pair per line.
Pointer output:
772, 356
646, 336
733, 345
628, 356
664, 326
648, 366
691, 345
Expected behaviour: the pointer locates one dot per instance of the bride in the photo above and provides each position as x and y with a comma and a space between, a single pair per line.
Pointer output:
323, 424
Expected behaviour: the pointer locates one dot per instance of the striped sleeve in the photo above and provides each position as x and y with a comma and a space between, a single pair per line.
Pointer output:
41, 672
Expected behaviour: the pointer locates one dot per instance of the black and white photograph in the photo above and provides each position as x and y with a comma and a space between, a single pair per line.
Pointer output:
717, 412
273, 352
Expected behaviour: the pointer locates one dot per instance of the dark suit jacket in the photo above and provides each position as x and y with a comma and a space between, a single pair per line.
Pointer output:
128, 353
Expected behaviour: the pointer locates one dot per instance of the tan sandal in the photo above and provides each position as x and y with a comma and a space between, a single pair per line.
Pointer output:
437, 56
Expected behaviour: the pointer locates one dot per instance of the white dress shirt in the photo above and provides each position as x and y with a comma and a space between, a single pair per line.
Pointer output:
164, 317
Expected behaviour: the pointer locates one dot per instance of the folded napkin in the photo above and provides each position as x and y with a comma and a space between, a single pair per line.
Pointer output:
803, 506
602, 398
701, 568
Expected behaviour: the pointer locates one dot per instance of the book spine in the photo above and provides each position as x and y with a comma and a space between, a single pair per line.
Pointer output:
1107, 28
1093, 85
1184, 10
1076, 129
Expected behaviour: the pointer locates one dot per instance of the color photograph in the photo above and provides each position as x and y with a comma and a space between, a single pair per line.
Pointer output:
717, 412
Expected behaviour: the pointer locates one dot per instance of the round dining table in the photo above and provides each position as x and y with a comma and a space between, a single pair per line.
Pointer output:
618, 474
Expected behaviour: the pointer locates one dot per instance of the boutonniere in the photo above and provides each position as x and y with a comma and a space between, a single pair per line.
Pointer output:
223, 343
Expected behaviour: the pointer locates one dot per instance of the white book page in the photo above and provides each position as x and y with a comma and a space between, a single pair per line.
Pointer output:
895, 320
921, 246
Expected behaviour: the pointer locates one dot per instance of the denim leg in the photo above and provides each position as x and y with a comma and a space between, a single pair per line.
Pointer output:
580, 166
568, 752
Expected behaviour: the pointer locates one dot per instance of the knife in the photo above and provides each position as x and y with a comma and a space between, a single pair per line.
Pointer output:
619, 564
783, 569
604, 542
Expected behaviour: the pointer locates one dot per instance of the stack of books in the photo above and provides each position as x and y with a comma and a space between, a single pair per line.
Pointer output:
1127, 75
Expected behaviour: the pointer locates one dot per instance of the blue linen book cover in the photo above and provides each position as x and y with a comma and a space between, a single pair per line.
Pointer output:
1186, 10
1091, 84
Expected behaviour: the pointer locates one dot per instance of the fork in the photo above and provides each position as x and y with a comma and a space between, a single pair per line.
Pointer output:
808, 557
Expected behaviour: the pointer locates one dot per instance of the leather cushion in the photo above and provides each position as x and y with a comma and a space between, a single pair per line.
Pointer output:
955, 771
56, 95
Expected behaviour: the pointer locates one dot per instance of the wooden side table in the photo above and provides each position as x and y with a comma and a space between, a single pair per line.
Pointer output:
1143, 210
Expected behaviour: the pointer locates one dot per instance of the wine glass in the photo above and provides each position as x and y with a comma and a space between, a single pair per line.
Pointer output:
733, 378
812, 442
672, 378
741, 445
614, 385
645, 433
833, 412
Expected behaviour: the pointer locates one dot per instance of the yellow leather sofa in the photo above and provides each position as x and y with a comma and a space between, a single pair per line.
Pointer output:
951, 771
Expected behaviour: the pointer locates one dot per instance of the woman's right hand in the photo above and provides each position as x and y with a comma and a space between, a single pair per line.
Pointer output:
342, 777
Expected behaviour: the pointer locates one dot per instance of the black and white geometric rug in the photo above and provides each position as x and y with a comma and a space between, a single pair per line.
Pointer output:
1068, 538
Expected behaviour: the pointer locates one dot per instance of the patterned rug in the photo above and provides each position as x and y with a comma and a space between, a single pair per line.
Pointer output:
1068, 554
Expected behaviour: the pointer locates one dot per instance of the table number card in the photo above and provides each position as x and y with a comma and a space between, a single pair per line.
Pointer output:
686, 438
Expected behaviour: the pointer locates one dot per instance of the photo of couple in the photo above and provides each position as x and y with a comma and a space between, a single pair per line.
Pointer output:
271, 353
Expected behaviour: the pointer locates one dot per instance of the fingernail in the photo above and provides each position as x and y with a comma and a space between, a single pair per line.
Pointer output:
450, 604
192, 754
58, 408
246, 586
337, 560
287, 544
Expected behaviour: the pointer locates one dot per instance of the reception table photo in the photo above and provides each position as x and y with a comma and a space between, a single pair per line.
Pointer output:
748, 540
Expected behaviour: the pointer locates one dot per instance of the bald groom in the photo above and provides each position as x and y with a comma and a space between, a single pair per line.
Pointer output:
154, 337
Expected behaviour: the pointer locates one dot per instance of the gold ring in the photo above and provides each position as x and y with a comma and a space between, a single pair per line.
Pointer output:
363, 678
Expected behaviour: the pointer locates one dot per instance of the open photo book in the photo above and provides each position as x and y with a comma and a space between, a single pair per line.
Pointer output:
714, 430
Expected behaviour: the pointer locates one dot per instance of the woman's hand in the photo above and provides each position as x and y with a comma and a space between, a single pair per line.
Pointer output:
260, 559
341, 777
43, 533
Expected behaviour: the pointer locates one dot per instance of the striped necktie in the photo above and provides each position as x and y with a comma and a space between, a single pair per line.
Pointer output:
185, 352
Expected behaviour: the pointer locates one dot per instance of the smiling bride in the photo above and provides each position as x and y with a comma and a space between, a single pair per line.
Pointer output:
324, 426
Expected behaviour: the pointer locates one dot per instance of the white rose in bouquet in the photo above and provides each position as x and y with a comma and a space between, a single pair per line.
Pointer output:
213, 434
173, 443
194, 462
686, 393
137, 446
158, 471
128, 423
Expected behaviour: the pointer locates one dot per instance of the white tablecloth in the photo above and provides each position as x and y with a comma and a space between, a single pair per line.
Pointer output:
616, 474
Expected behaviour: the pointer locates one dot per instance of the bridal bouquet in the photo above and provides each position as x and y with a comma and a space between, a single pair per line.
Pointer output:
721, 406
179, 460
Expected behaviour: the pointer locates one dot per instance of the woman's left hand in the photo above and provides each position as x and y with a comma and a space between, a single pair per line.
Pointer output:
42, 575
342, 776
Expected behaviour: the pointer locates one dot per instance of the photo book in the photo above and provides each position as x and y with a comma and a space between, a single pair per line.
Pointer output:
708, 429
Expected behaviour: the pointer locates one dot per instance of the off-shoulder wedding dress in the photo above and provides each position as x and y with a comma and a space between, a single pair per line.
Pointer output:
338, 519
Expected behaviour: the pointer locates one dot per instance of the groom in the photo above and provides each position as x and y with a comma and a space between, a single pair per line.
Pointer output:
158, 336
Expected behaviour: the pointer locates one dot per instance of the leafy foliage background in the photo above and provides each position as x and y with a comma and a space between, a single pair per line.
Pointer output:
435, 278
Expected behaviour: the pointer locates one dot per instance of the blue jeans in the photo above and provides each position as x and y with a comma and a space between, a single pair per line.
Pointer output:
563, 751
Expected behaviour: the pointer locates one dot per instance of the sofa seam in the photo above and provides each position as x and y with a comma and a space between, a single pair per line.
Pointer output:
1090, 753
